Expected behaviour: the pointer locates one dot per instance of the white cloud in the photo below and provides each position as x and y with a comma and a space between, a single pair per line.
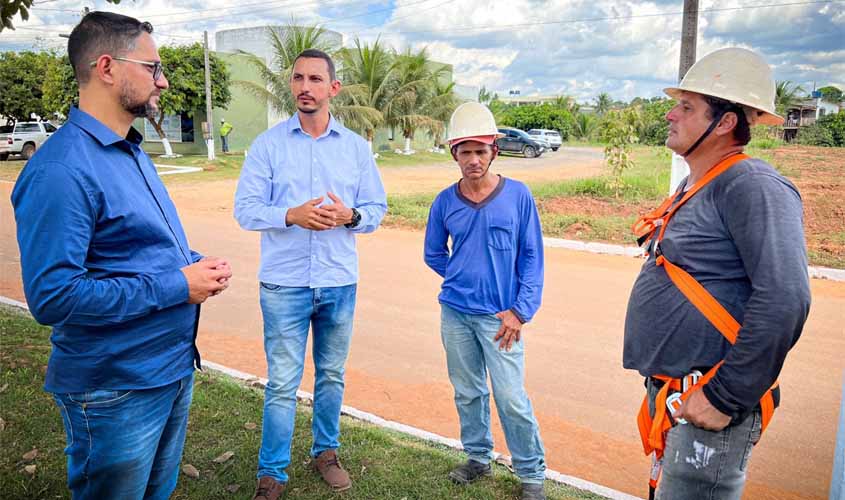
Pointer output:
579, 50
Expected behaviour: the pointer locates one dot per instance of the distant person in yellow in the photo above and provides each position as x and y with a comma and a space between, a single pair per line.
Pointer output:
225, 130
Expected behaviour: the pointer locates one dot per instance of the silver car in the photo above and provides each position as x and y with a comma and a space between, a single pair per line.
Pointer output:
23, 138
551, 137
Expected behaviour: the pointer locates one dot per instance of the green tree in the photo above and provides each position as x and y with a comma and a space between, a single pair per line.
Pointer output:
275, 92
59, 91
787, 95
21, 79
287, 43
545, 116
832, 94
416, 83
184, 67
585, 127
619, 134
835, 124
603, 103
486, 97
441, 105
369, 73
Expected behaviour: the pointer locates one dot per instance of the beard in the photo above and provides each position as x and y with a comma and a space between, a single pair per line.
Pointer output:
134, 106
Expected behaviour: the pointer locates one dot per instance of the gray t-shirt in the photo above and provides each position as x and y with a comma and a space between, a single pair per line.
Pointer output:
742, 237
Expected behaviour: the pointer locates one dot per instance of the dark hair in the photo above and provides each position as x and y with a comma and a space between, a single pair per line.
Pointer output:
318, 54
101, 33
718, 107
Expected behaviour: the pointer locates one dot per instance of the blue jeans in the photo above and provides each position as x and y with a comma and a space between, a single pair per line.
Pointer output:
705, 464
225, 140
125, 444
288, 312
470, 354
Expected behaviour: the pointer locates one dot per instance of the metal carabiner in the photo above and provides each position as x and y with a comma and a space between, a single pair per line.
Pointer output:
673, 404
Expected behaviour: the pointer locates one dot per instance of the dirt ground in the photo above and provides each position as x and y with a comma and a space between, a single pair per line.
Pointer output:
820, 177
584, 401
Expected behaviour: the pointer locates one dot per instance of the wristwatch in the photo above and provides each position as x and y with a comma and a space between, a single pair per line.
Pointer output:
356, 219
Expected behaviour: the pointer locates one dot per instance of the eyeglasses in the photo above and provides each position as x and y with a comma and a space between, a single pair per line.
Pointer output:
158, 71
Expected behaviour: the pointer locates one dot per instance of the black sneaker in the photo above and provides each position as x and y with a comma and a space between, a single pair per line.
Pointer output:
469, 472
532, 491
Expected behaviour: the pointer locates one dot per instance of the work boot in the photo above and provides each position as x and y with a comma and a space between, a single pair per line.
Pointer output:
328, 465
469, 472
268, 489
532, 491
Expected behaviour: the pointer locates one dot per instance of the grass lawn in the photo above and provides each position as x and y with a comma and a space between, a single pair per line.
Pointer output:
225, 417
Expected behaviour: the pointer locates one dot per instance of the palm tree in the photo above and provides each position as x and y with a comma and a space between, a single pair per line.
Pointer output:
287, 44
485, 96
411, 94
603, 103
370, 74
585, 126
787, 95
441, 105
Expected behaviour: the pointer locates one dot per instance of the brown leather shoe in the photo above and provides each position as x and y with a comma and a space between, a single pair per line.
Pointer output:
328, 465
268, 489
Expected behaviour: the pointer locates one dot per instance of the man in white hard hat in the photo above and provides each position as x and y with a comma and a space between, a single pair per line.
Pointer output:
493, 283
724, 293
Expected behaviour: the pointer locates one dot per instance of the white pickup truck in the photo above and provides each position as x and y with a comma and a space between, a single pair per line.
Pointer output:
23, 138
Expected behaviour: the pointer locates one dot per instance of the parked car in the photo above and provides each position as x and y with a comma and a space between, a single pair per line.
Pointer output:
517, 141
23, 138
550, 136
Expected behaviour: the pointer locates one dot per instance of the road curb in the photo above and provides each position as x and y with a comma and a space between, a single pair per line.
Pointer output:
370, 418
825, 273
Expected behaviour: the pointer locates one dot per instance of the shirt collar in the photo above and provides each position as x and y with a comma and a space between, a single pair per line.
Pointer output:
99, 131
294, 124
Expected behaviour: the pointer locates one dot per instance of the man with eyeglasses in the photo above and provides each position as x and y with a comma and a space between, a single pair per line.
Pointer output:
106, 263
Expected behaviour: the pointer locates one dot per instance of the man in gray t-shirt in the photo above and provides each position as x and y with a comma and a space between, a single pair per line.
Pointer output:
741, 237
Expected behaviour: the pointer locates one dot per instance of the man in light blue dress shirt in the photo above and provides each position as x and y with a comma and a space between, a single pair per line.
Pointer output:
308, 185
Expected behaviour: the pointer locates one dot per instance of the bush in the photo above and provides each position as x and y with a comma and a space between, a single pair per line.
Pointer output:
815, 135
542, 116
835, 124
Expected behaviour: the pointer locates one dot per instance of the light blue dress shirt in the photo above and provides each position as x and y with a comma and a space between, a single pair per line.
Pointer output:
285, 168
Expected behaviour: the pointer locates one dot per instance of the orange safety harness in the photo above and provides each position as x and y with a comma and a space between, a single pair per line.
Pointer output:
653, 429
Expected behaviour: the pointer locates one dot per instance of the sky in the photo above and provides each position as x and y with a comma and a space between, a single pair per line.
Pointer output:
578, 48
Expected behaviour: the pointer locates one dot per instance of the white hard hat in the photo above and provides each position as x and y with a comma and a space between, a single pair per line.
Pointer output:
736, 75
472, 121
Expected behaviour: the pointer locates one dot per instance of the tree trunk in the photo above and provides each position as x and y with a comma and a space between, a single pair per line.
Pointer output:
409, 134
370, 134
168, 151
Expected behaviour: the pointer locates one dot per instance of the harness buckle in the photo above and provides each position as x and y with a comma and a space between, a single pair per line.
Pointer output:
673, 404
690, 380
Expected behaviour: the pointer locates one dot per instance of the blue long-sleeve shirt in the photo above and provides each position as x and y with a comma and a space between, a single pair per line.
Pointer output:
496, 257
285, 168
101, 250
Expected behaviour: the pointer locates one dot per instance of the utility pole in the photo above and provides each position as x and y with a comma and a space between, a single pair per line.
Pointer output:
689, 35
209, 119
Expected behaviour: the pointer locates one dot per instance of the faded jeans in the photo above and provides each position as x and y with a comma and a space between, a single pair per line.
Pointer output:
706, 465
288, 312
470, 354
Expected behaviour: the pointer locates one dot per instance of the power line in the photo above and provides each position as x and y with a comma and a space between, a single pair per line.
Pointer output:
606, 18
250, 12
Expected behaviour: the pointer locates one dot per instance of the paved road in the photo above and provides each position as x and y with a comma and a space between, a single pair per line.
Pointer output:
584, 401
